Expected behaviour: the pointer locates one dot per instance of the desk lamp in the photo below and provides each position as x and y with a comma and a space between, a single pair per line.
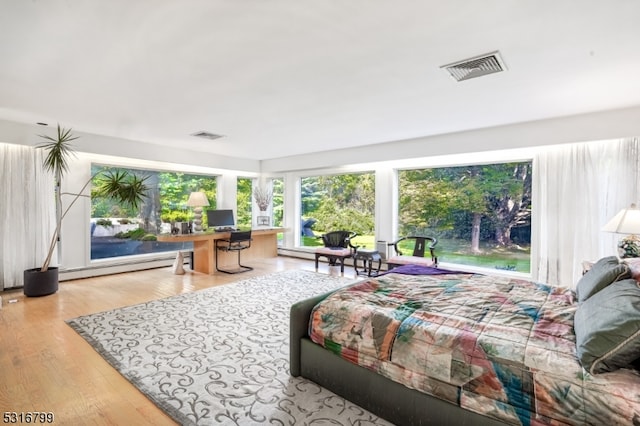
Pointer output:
627, 221
197, 200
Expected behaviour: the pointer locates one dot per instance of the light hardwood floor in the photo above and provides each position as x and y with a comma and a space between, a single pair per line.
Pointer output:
46, 366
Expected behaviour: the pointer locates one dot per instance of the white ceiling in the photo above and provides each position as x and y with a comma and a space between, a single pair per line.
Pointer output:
287, 77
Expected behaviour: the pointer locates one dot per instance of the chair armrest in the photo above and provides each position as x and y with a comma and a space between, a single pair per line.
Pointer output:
431, 246
394, 244
351, 246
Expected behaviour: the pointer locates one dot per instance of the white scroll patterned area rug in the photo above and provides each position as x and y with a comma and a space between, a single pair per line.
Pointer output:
221, 355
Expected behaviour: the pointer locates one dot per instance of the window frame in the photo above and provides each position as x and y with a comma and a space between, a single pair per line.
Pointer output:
483, 159
329, 173
132, 247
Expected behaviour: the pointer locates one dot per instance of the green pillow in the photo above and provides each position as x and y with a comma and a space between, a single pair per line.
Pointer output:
604, 272
607, 327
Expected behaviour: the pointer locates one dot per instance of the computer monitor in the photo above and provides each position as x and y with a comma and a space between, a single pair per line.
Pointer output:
220, 219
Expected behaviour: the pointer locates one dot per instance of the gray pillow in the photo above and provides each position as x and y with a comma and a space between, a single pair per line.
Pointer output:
604, 272
607, 327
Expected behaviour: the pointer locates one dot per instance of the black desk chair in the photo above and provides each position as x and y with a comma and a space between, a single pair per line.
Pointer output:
237, 241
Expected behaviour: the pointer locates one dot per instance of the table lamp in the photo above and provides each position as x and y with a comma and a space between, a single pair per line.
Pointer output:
197, 200
627, 221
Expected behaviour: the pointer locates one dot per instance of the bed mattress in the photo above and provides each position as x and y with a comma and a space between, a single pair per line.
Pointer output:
498, 346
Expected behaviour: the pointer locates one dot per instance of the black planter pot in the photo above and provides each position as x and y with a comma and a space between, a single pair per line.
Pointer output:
37, 283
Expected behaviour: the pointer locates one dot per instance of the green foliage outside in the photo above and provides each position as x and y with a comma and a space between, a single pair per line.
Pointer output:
457, 251
243, 202
480, 214
102, 207
173, 216
277, 217
364, 241
174, 190
104, 222
136, 234
340, 202
166, 199
447, 200
454, 251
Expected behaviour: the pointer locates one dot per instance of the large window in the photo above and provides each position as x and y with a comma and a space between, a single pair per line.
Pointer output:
120, 231
278, 202
244, 202
277, 219
480, 214
338, 202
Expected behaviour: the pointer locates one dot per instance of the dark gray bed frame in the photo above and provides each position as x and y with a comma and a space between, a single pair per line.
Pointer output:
371, 391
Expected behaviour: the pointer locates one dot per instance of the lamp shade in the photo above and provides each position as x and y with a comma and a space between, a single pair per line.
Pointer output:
627, 221
197, 199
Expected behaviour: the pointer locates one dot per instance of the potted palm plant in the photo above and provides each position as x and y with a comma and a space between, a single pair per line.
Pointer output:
125, 188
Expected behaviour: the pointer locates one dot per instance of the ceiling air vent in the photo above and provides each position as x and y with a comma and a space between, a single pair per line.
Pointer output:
206, 135
476, 67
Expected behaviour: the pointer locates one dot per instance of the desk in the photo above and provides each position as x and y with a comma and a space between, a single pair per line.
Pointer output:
264, 244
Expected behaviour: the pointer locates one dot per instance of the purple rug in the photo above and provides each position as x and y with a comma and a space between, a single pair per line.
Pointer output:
422, 270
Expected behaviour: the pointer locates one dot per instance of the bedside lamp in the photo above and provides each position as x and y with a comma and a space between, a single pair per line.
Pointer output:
627, 221
197, 200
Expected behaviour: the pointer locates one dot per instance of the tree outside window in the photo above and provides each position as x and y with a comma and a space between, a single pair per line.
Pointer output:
277, 185
244, 202
338, 202
480, 214
117, 231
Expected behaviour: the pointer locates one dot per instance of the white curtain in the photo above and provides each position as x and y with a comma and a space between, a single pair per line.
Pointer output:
27, 212
577, 189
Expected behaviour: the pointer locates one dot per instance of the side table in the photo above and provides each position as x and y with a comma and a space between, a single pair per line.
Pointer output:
367, 257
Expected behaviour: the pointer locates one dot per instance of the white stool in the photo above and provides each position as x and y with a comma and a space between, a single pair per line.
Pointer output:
178, 264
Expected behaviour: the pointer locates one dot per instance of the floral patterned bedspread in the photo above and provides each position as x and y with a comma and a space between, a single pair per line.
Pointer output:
499, 346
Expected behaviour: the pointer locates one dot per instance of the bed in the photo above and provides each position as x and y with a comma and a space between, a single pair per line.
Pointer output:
443, 347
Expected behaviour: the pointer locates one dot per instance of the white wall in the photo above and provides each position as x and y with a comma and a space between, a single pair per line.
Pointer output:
26, 134
602, 125
605, 125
